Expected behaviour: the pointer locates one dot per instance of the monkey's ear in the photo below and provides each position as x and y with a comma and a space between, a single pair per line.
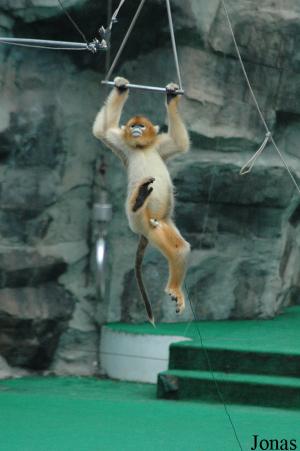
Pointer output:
122, 127
156, 128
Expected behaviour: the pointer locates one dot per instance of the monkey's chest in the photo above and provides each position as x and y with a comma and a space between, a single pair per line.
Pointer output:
143, 165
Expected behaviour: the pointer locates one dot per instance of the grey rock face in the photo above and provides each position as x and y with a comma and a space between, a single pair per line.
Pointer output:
19, 268
244, 231
32, 319
5, 371
33, 10
45, 194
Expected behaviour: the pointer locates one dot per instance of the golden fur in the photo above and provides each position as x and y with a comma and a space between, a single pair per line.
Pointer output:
144, 158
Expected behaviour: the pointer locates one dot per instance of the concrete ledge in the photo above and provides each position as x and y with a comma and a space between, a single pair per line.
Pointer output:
135, 357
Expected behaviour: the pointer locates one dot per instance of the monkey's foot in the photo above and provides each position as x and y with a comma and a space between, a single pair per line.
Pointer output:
178, 297
121, 84
144, 191
154, 223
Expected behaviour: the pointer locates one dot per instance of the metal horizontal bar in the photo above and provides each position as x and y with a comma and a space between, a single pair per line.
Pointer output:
63, 45
143, 87
42, 42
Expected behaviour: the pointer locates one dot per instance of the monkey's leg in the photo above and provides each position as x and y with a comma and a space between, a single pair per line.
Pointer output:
141, 193
173, 246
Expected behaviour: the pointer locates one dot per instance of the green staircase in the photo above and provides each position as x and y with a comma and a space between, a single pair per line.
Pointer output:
244, 372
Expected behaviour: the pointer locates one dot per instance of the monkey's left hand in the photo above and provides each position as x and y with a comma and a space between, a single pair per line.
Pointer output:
121, 84
172, 92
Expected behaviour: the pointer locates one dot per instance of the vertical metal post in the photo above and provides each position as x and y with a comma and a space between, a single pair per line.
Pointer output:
125, 40
174, 43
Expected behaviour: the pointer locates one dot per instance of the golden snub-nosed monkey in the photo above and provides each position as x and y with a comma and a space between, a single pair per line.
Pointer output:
150, 198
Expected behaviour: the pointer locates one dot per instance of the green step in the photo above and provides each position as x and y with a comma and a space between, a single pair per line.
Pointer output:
271, 391
192, 356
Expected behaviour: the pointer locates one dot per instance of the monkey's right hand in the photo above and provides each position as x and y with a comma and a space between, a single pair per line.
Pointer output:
121, 84
172, 92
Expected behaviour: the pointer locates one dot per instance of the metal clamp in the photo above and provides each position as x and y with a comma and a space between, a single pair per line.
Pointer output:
96, 45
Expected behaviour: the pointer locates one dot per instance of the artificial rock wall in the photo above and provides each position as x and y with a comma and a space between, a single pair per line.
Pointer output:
244, 231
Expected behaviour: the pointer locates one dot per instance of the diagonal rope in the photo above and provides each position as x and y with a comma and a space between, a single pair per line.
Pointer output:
244, 70
115, 61
109, 25
115, 14
113, 18
211, 370
73, 21
196, 320
249, 165
171, 26
268, 132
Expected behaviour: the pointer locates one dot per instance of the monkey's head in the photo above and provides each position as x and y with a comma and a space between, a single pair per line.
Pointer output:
139, 132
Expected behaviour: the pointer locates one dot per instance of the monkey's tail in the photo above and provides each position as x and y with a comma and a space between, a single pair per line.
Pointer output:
138, 274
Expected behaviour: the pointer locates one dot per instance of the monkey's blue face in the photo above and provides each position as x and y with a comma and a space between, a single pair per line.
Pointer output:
137, 130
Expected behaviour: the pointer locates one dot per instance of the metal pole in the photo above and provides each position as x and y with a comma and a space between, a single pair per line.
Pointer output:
108, 75
174, 43
143, 87
54, 45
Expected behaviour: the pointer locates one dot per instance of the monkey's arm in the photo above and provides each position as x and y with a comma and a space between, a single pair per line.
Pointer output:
177, 138
106, 125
